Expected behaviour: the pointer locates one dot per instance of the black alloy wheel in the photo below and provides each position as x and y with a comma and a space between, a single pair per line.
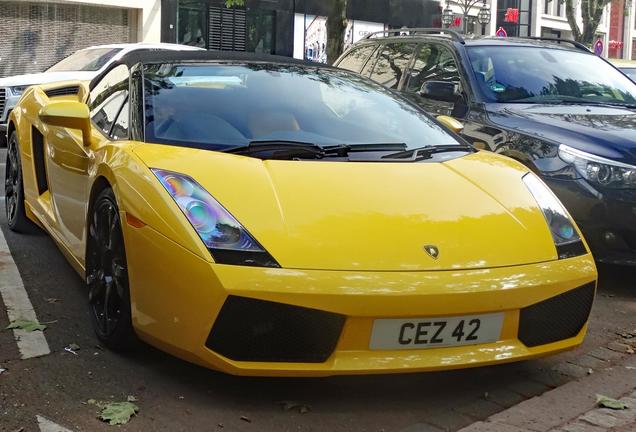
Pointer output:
107, 275
14, 190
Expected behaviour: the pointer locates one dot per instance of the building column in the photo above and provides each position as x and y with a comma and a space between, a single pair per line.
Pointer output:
491, 28
537, 12
629, 33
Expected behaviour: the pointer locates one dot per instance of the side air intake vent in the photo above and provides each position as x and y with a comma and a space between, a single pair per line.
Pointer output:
37, 141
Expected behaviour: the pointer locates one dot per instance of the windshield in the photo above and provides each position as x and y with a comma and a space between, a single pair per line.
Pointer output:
218, 106
544, 75
85, 60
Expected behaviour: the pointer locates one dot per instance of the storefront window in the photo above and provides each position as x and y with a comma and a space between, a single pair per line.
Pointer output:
260, 31
191, 22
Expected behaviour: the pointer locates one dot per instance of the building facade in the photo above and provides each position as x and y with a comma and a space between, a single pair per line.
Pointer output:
285, 27
36, 34
547, 18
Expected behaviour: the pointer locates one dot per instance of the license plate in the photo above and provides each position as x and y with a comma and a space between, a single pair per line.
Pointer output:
420, 333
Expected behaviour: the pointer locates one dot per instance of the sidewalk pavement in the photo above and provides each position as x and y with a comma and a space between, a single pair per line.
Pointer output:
573, 407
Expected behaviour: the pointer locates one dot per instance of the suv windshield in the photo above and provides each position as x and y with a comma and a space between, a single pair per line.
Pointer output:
547, 75
85, 60
222, 106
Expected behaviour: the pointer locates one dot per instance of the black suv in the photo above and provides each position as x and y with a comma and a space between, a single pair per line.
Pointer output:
551, 104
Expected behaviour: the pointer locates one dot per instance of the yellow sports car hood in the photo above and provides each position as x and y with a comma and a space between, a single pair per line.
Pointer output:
475, 209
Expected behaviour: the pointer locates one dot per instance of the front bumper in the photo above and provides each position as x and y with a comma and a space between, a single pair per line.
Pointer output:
177, 297
605, 218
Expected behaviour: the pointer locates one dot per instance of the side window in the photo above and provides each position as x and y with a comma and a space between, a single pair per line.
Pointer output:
392, 63
356, 59
108, 97
433, 63
120, 128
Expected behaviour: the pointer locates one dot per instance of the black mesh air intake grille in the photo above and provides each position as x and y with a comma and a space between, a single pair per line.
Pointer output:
37, 140
556, 318
256, 330
62, 91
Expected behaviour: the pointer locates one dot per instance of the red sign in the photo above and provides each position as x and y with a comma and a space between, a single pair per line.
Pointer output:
512, 15
501, 32
457, 22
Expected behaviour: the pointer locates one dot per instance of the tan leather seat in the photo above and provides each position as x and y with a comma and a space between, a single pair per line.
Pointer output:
265, 123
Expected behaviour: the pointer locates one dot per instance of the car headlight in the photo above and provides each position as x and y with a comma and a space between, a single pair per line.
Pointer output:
566, 238
599, 170
18, 90
226, 239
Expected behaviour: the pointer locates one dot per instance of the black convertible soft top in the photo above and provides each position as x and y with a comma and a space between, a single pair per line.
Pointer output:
153, 56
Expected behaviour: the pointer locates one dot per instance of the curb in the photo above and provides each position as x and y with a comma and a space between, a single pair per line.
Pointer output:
570, 406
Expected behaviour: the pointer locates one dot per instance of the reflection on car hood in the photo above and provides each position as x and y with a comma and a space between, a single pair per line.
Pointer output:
45, 78
605, 131
374, 216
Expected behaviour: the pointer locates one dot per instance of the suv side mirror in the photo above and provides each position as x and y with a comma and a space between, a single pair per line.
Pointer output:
68, 114
440, 90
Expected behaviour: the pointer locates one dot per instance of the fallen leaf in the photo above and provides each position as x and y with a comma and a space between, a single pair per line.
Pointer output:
246, 419
117, 413
74, 347
52, 300
608, 402
293, 405
26, 325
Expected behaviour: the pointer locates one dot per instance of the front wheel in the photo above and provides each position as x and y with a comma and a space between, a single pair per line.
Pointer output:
107, 275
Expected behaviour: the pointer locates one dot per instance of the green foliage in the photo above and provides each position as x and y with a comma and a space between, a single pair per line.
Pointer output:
26, 325
117, 413
607, 402
234, 3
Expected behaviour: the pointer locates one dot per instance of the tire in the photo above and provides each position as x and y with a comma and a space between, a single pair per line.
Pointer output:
107, 275
14, 191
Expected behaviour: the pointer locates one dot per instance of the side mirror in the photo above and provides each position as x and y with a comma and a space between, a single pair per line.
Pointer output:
68, 114
440, 90
451, 123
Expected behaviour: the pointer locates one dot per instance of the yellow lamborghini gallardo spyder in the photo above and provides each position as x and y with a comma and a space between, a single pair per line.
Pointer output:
267, 216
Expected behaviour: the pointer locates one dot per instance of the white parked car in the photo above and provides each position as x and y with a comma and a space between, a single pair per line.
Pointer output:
82, 65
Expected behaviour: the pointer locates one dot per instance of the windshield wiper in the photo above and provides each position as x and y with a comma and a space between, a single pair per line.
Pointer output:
282, 149
275, 147
427, 152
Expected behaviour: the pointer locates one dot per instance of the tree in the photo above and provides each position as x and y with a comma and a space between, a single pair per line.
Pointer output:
336, 28
591, 13
466, 6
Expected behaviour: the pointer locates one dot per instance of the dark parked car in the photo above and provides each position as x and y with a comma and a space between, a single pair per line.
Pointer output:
551, 104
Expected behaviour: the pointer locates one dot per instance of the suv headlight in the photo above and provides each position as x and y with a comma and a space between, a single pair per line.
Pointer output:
18, 90
599, 170
226, 239
566, 238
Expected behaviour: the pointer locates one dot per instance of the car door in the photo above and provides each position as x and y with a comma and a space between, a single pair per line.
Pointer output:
433, 62
70, 161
